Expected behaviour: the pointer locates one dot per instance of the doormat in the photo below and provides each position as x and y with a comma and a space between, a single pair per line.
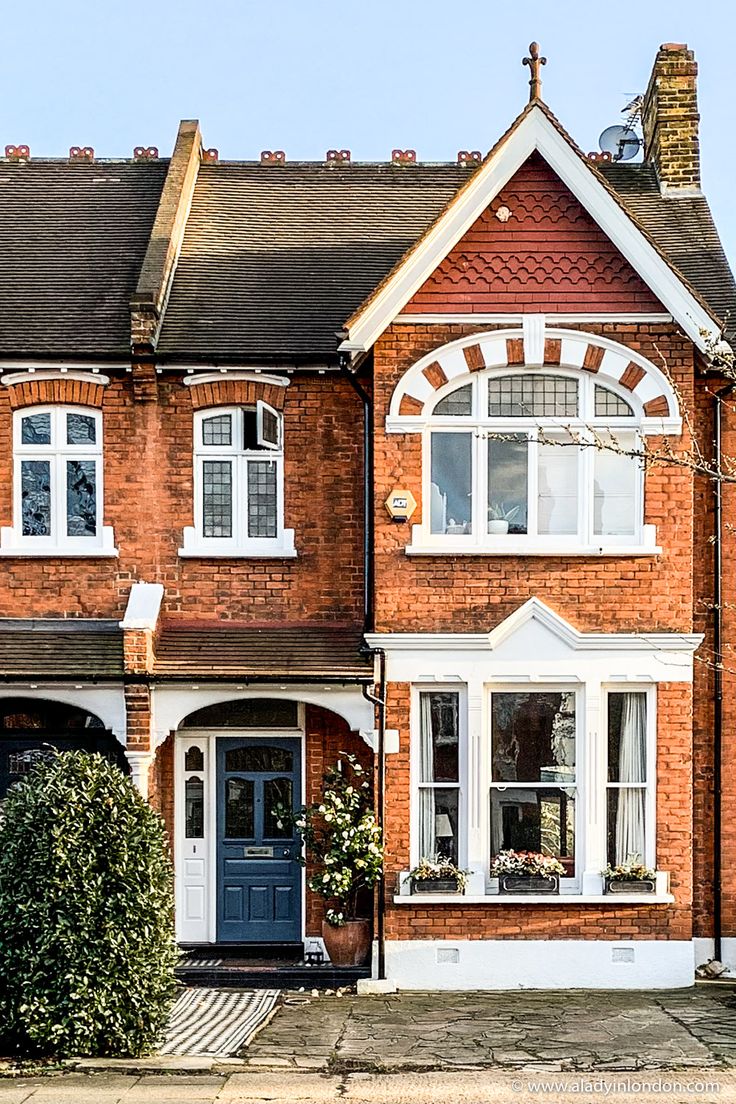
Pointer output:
216, 1022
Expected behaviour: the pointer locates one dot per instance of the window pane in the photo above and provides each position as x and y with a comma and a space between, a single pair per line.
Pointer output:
276, 791
81, 498
450, 489
508, 474
194, 808
269, 426
35, 477
533, 737
217, 430
258, 759
626, 810
627, 737
35, 429
440, 737
458, 404
217, 498
243, 713
541, 820
532, 397
239, 809
194, 759
616, 478
609, 405
250, 430
438, 823
262, 498
80, 429
557, 497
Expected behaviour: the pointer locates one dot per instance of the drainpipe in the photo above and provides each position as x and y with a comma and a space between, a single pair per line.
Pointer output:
718, 674
380, 702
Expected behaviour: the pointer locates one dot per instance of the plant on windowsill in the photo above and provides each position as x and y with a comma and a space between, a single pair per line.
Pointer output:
343, 842
631, 876
437, 875
500, 517
526, 872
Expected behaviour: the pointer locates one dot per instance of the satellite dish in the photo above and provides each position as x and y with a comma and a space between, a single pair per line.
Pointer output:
620, 142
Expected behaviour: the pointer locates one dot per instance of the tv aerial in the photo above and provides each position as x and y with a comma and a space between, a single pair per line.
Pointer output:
621, 141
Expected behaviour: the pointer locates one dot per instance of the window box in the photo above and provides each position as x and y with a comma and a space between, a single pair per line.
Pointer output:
528, 883
435, 885
643, 886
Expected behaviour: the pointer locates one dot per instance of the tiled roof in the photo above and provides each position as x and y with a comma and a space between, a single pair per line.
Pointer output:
330, 653
73, 241
275, 259
76, 649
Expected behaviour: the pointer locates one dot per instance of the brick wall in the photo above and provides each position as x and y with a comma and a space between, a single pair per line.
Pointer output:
148, 501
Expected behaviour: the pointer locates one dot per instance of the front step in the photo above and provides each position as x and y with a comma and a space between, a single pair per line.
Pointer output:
274, 975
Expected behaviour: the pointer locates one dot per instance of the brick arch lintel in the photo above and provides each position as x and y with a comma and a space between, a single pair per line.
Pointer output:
42, 388
236, 389
416, 391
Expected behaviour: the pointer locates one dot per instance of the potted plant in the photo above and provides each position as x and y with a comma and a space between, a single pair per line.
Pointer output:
343, 844
630, 877
526, 872
437, 875
500, 516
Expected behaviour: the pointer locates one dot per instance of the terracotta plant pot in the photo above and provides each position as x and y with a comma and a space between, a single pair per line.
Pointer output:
349, 945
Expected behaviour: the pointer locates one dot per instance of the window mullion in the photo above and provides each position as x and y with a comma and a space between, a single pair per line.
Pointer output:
533, 474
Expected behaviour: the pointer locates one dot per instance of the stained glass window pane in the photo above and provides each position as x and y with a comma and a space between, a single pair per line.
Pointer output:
35, 477
610, 405
276, 792
258, 759
217, 498
261, 498
456, 405
532, 397
194, 808
194, 759
217, 430
80, 429
35, 429
81, 498
239, 809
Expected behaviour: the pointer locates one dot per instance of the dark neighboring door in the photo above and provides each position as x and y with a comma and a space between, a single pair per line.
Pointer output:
258, 872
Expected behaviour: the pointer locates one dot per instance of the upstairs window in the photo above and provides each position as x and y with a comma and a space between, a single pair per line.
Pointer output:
533, 460
238, 457
58, 479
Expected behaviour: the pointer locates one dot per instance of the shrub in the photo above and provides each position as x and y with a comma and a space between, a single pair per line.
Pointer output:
87, 946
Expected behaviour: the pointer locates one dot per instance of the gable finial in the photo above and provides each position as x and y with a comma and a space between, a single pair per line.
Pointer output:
535, 63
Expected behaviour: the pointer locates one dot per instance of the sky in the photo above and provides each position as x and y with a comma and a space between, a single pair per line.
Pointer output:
310, 75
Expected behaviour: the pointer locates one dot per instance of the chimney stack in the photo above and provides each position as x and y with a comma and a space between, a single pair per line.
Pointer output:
670, 120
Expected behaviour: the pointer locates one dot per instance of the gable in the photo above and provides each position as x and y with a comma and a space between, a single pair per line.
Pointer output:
549, 256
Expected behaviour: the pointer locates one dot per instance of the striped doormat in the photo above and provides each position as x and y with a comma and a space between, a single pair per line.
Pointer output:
215, 1021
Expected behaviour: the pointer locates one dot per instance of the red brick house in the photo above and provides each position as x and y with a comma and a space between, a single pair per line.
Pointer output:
216, 375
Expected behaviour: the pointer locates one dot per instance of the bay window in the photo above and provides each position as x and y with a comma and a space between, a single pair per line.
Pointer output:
627, 778
439, 775
533, 460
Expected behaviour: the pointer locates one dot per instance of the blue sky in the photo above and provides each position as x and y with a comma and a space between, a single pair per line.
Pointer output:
368, 76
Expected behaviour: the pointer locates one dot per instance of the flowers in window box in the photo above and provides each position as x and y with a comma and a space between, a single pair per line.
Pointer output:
526, 872
437, 875
631, 876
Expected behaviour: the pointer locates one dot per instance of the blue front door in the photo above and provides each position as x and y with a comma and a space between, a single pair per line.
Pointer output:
258, 872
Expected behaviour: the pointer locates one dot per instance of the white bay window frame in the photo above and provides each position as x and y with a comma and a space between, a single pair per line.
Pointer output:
239, 458
57, 453
580, 433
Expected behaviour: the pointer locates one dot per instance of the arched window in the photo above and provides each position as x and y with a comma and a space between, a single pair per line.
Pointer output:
238, 483
57, 481
531, 461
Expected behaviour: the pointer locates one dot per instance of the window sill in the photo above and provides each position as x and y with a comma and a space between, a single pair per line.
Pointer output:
518, 549
11, 545
611, 899
195, 548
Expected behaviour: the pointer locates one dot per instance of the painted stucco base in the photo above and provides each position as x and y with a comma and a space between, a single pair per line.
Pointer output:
539, 964
704, 950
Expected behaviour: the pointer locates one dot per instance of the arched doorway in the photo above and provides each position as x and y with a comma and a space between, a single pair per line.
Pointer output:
32, 728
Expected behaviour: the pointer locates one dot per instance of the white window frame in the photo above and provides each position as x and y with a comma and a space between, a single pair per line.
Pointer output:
416, 773
650, 789
240, 544
582, 428
58, 542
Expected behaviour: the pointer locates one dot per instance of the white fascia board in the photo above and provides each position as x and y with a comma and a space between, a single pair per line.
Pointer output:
535, 132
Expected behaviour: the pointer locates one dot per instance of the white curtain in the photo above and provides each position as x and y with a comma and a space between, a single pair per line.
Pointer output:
631, 768
427, 842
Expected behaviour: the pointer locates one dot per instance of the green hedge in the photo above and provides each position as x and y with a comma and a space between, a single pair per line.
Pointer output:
87, 947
